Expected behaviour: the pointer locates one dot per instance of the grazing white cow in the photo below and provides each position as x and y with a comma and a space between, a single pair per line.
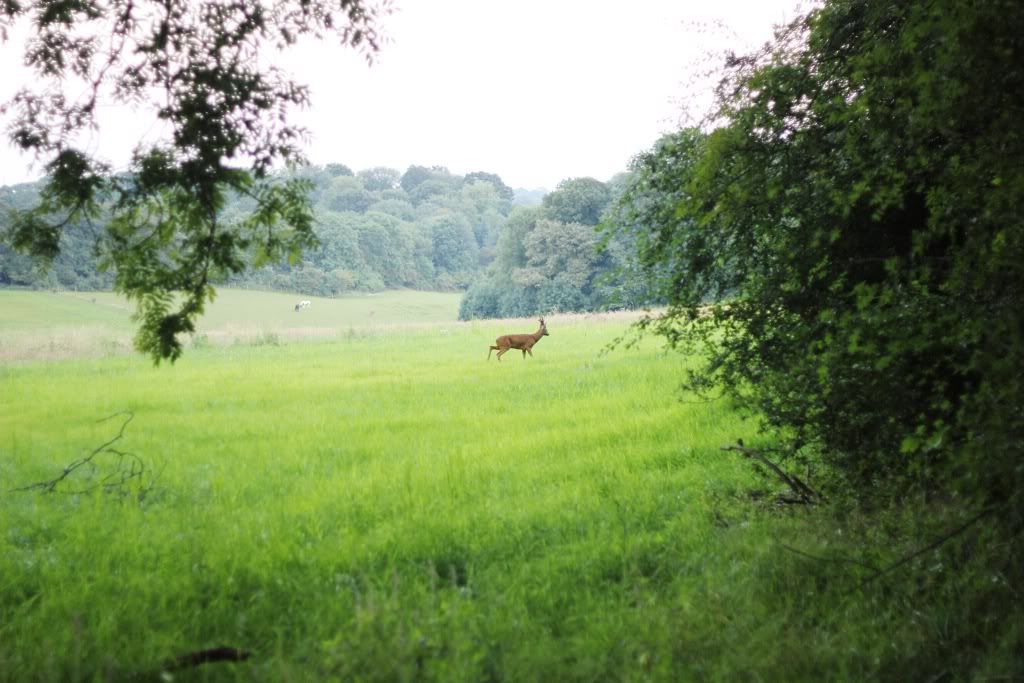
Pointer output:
302, 304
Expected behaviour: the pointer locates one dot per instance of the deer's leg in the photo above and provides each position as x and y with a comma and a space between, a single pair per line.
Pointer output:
493, 348
529, 351
500, 352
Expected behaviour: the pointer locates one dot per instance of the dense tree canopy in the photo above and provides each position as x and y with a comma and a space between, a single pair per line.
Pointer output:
503, 190
368, 239
846, 249
577, 200
380, 178
550, 258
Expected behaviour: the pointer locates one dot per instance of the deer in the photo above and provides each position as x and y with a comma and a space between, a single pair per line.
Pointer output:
523, 342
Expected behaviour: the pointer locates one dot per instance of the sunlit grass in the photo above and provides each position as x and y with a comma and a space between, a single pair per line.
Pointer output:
325, 504
389, 505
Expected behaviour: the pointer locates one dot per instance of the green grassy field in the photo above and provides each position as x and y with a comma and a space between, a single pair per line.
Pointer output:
392, 507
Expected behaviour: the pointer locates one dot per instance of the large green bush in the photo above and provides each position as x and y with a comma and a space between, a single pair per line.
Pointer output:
857, 224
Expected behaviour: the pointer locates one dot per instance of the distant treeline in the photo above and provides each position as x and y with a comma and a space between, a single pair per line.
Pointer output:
556, 257
516, 252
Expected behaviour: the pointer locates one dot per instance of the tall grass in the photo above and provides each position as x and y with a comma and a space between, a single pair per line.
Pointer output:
395, 507
325, 504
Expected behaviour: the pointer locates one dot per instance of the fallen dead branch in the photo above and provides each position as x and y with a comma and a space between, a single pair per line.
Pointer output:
802, 493
123, 469
209, 656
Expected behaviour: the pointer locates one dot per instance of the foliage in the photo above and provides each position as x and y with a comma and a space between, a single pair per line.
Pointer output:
432, 188
551, 258
380, 178
857, 221
334, 170
564, 256
454, 245
577, 200
640, 226
503, 190
165, 238
75, 265
415, 175
367, 239
511, 247
344, 193
399, 208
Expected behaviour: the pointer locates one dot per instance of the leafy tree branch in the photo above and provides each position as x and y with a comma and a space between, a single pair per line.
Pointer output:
197, 64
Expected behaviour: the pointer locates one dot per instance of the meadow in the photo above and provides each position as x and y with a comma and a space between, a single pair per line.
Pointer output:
385, 504
38, 325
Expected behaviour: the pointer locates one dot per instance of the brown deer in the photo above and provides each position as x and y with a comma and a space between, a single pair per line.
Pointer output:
523, 342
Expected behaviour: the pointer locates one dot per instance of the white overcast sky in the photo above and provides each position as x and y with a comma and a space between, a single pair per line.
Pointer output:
534, 90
